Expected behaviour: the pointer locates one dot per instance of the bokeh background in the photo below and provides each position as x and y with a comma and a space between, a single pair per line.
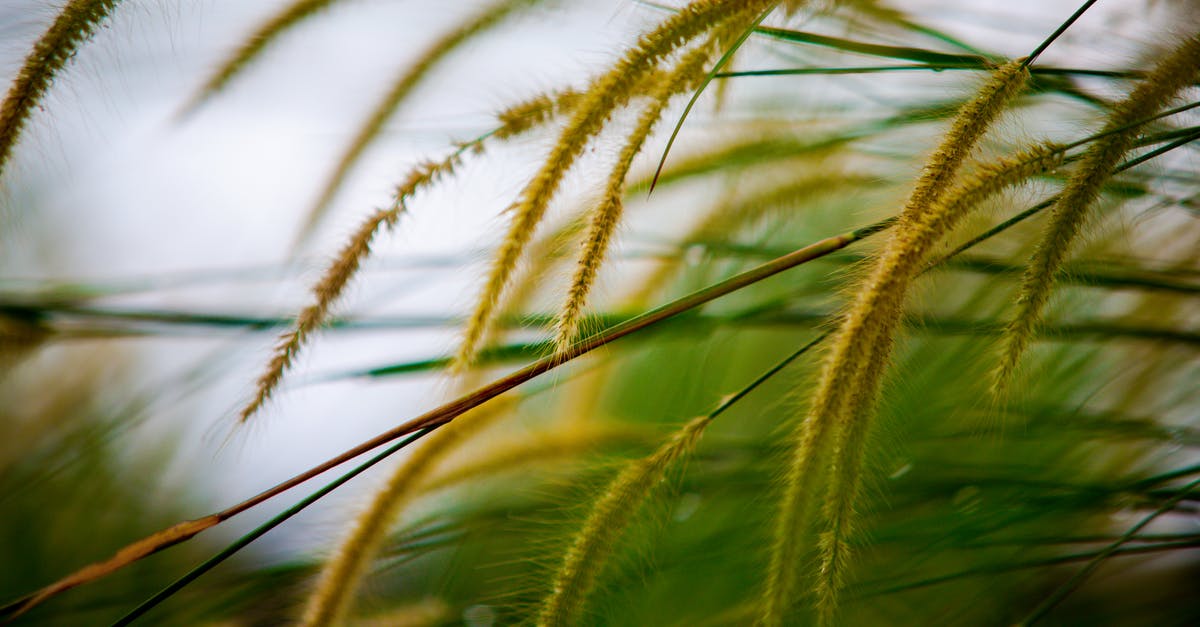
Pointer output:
153, 244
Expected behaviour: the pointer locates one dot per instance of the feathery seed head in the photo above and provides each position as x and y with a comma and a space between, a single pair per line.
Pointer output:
842, 402
607, 215
603, 97
1176, 71
610, 515
73, 26
285, 20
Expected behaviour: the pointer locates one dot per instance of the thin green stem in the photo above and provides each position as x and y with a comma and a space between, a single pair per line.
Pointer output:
931, 67
261, 530
725, 58
1058, 32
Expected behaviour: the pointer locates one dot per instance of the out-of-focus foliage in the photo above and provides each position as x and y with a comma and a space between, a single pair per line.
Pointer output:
582, 497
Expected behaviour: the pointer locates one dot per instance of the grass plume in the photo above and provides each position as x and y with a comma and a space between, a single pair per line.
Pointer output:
609, 516
851, 354
329, 289
74, 25
1177, 70
603, 96
867, 333
286, 19
337, 276
607, 216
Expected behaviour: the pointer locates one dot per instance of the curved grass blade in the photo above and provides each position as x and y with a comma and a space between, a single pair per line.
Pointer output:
725, 58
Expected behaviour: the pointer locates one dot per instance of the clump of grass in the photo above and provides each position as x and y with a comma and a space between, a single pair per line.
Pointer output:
74, 25
839, 399
1174, 72
964, 521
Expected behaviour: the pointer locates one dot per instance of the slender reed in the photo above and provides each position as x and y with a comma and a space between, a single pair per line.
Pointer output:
850, 353
175, 534
1176, 71
605, 95
74, 25
607, 215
